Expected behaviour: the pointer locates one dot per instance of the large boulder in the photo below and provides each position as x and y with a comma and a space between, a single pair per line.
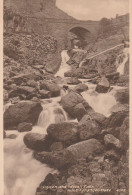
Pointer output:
36, 141
60, 160
122, 96
72, 99
65, 132
25, 77
88, 128
23, 90
115, 119
80, 88
50, 86
25, 111
103, 86
85, 148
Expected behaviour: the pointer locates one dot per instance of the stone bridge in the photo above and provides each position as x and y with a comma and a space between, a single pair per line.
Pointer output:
65, 29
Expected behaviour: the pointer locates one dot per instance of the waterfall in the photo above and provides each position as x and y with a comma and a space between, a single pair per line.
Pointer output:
22, 173
64, 67
51, 113
100, 102
121, 60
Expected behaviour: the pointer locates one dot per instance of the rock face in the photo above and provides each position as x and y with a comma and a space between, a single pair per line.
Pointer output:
87, 128
63, 132
72, 99
60, 160
122, 96
103, 86
85, 148
36, 141
26, 111
50, 86
80, 88
24, 127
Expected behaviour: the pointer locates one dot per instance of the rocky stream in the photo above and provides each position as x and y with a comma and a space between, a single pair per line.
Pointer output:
68, 133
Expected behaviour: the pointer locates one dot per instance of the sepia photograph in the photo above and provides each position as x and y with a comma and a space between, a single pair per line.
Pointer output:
66, 97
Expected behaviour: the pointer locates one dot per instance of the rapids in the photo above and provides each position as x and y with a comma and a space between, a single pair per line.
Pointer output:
22, 173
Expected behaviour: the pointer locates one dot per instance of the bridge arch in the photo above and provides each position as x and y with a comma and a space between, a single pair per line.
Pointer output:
79, 36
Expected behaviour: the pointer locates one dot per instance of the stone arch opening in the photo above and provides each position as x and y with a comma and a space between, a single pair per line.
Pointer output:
79, 37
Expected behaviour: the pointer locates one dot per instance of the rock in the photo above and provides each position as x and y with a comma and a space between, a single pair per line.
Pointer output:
120, 107
11, 136
25, 77
57, 146
85, 148
99, 118
113, 77
103, 86
72, 99
24, 127
36, 141
122, 96
123, 80
112, 155
77, 55
53, 62
4, 134
52, 87
87, 128
124, 134
113, 131
60, 159
26, 111
33, 83
32, 95
73, 81
22, 90
79, 111
65, 132
115, 119
110, 140
45, 93
80, 88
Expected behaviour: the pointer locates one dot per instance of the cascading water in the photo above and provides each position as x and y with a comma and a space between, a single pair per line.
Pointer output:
121, 61
64, 66
100, 102
23, 173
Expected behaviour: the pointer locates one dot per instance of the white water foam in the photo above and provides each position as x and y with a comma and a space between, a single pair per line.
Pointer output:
22, 172
64, 67
123, 58
100, 102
